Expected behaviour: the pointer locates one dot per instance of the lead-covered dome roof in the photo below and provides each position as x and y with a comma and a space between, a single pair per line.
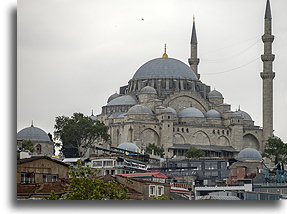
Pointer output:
129, 146
113, 96
249, 154
191, 112
139, 109
34, 134
244, 115
214, 94
148, 90
162, 68
213, 114
123, 100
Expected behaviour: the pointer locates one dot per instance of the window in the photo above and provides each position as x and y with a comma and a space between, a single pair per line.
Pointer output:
38, 149
27, 177
168, 117
49, 178
160, 190
152, 190
97, 164
108, 163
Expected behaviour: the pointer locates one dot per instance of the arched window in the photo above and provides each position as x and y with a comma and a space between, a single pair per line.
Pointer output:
38, 149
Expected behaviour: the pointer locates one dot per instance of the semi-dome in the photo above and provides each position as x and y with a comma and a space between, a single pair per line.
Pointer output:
129, 146
139, 109
249, 154
123, 100
113, 96
33, 133
162, 68
148, 90
214, 94
213, 114
244, 115
191, 112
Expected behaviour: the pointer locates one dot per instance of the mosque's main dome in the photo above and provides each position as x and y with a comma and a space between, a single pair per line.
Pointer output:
164, 68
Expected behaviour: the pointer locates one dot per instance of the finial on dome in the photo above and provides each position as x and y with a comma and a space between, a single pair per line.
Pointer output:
239, 108
92, 112
32, 125
164, 54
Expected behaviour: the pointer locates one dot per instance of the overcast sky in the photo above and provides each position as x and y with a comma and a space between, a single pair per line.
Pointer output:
73, 54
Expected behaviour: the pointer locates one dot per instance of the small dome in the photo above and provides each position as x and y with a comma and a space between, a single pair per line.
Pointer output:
129, 146
213, 114
169, 109
34, 134
162, 68
249, 154
113, 96
244, 115
148, 90
93, 117
123, 100
214, 94
139, 109
191, 112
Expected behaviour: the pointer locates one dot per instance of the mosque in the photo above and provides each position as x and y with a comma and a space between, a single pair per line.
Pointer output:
167, 104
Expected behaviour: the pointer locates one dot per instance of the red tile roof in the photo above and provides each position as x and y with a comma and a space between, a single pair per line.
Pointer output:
145, 174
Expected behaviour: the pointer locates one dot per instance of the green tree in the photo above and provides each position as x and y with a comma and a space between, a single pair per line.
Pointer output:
28, 145
162, 197
276, 150
83, 186
79, 133
156, 149
194, 153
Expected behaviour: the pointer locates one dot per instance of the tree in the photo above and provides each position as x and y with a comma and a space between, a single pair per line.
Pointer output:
194, 153
84, 186
156, 149
276, 150
28, 145
79, 133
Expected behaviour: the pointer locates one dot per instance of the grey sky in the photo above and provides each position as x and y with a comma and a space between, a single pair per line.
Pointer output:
73, 54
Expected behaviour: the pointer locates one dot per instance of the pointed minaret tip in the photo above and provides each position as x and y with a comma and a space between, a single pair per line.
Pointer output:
193, 34
268, 10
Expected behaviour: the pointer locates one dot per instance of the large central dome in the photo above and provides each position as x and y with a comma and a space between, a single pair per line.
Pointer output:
164, 68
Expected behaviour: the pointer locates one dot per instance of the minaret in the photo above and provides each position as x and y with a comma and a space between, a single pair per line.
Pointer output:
193, 60
267, 75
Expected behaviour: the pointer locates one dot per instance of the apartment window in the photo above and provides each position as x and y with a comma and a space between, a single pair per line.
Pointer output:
49, 178
108, 163
160, 190
97, 163
152, 190
27, 177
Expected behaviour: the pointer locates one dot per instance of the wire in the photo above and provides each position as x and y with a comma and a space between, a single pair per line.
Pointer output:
236, 54
229, 70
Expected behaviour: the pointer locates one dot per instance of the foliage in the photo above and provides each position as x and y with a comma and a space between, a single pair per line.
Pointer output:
79, 133
53, 196
156, 149
194, 153
28, 145
162, 197
276, 150
84, 186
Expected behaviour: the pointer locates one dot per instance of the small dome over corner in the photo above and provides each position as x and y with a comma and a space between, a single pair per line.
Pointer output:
244, 115
215, 94
213, 114
148, 90
34, 134
173, 111
139, 109
123, 100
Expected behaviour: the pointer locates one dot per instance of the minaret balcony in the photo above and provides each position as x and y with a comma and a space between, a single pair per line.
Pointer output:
193, 61
267, 57
267, 75
267, 38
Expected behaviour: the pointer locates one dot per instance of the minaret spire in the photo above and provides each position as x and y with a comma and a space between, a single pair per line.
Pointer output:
267, 75
193, 60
